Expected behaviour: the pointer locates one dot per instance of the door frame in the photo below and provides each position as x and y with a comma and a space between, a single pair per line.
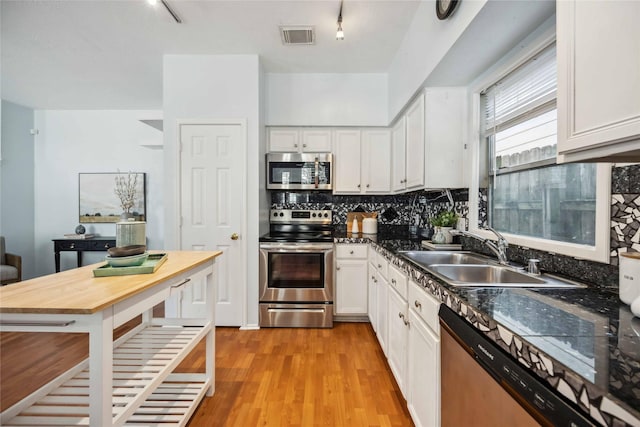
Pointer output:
178, 183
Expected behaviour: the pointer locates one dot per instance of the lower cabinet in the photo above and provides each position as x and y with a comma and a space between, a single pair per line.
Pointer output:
423, 367
382, 298
398, 338
351, 280
372, 285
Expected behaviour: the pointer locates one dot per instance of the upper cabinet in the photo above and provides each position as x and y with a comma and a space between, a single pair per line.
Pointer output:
398, 156
445, 124
414, 154
299, 140
598, 45
361, 161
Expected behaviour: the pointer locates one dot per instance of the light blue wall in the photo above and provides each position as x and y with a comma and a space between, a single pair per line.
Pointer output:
17, 184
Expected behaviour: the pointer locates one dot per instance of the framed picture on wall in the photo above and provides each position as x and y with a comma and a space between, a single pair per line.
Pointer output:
111, 197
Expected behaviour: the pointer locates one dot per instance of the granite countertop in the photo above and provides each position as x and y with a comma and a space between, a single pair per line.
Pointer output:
585, 343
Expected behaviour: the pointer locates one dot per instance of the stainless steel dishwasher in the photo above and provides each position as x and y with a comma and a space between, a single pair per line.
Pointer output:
482, 385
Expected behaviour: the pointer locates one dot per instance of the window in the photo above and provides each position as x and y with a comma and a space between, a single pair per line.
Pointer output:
525, 194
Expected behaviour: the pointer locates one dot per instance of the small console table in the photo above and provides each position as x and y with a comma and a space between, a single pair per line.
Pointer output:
95, 244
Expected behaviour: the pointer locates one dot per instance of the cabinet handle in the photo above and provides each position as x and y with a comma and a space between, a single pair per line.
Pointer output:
379, 266
358, 185
338, 268
375, 280
181, 284
295, 145
367, 185
418, 305
351, 252
304, 145
407, 323
394, 281
400, 315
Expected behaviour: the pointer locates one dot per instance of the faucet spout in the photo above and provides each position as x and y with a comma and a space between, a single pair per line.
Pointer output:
499, 248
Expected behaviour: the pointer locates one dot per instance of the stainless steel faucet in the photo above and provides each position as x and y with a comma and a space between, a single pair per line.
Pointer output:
499, 247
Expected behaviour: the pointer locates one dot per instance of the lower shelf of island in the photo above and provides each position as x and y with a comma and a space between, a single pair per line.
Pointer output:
145, 389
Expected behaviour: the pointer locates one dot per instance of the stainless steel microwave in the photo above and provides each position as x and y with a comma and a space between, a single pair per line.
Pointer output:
295, 171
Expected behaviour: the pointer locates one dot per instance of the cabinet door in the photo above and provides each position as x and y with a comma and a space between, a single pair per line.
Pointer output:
382, 300
598, 84
373, 297
376, 171
444, 137
398, 338
415, 158
351, 287
423, 379
284, 140
316, 140
347, 162
398, 156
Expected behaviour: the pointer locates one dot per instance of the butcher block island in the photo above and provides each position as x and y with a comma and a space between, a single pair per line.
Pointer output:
124, 382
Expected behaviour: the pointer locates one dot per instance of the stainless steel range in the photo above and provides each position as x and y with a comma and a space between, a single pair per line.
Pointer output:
296, 270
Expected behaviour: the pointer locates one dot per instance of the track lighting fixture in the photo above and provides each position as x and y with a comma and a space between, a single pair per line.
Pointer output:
340, 33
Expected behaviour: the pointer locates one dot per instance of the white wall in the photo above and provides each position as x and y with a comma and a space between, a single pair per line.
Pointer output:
426, 42
215, 87
16, 184
70, 142
326, 99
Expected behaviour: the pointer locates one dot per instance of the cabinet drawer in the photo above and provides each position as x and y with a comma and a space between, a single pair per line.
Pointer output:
425, 305
351, 251
382, 264
398, 280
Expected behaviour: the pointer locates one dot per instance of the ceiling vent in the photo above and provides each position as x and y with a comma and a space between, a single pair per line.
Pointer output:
297, 35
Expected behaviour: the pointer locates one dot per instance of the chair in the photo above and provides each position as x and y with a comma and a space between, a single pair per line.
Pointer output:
10, 266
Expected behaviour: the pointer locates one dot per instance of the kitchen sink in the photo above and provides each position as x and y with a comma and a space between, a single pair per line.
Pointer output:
427, 258
496, 276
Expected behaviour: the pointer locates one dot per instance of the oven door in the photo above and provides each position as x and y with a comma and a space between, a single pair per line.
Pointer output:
292, 171
296, 272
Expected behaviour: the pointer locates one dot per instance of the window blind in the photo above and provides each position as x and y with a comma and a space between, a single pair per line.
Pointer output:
526, 92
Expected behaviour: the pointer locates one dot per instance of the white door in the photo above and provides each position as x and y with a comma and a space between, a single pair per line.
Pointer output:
213, 170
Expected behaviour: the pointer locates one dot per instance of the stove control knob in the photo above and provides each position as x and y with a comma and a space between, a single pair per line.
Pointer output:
326, 215
275, 214
313, 214
281, 214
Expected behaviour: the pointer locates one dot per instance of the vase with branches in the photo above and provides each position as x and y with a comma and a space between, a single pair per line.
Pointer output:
125, 189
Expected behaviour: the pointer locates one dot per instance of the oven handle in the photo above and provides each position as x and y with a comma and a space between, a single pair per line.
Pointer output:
296, 248
297, 310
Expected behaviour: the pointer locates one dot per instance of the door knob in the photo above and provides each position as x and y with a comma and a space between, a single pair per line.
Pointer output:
234, 236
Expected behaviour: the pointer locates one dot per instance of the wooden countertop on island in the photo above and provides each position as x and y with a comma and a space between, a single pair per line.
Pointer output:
78, 292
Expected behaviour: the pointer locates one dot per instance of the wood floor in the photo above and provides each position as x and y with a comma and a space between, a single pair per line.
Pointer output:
268, 377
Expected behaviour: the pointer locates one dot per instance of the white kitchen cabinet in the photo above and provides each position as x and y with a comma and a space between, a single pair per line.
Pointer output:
415, 144
362, 161
346, 162
383, 312
445, 127
423, 364
351, 279
376, 153
398, 318
299, 140
372, 281
398, 156
598, 96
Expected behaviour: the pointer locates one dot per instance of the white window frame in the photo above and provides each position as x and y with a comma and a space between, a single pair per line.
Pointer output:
600, 252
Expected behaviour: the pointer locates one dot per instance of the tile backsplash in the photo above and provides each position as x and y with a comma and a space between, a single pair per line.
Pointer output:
415, 209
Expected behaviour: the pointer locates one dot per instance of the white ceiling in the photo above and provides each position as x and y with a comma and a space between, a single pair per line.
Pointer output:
99, 54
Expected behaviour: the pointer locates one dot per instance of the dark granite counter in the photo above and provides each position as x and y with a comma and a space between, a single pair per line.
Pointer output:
584, 343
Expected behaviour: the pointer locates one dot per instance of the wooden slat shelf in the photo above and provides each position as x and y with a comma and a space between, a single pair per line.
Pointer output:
145, 392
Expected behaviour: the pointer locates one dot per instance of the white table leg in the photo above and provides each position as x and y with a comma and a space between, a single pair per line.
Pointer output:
211, 336
100, 368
